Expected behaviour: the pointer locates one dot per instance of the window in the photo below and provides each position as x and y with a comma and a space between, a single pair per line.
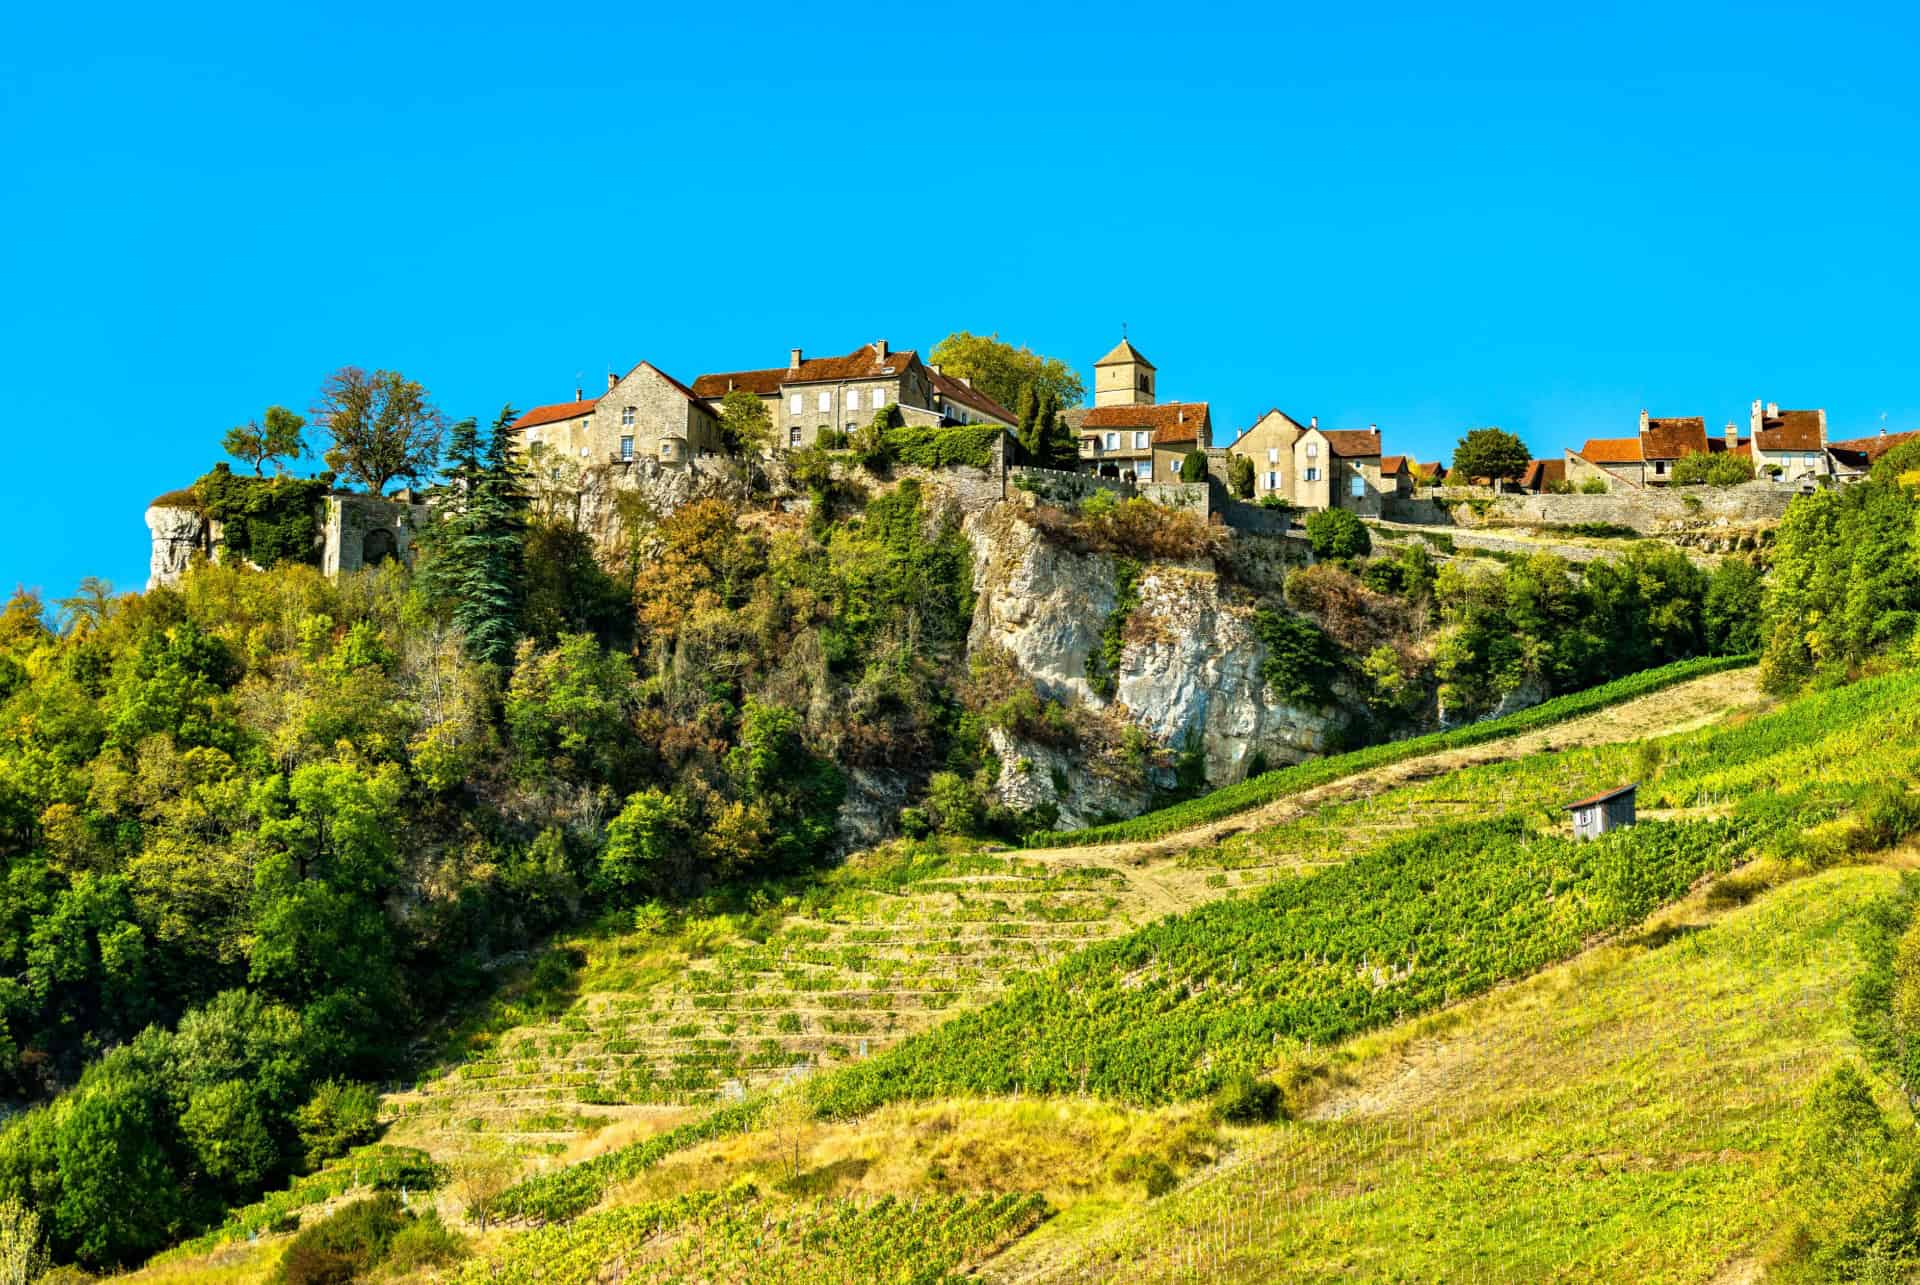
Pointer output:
1660, 468
853, 399
826, 399
853, 425
1143, 469
879, 398
1311, 475
1273, 455
1359, 487
1113, 441
1273, 481
793, 436
1139, 441
626, 418
1813, 461
793, 404
626, 448
1313, 450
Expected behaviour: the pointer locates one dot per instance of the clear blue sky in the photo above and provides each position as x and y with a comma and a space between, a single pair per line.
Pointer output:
1425, 217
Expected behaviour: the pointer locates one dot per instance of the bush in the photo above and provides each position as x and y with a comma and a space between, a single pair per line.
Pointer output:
1245, 1100
933, 448
345, 1246
1193, 468
425, 1242
1301, 661
1723, 469
1594, 486
338, 1117
1336, 533
1240, 477
264, 520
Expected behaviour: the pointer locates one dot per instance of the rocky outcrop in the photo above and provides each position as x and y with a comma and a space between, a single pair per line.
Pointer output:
178, 532
1189, 672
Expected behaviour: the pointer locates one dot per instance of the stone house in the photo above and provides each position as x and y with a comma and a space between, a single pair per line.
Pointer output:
811, 394
959, 402
1646, 459
1126, 432
1396, 476
1338, 468
1269, 444
644, 414
1794, 442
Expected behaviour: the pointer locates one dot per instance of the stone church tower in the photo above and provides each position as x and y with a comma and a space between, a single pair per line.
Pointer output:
1123, 378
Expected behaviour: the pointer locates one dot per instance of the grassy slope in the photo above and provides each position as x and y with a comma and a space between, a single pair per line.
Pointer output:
1616, 1118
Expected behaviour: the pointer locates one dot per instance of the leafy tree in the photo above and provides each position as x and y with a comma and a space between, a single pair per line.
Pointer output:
1492, 453
645, 842
89, 609
1001, 370
476, 554
1336, 533
568, 591
1193, 467
1725, 468
568, 710
1301, 661
338, 1117
1240, 477
1732, 608
745, 427
255, 443
383, 427
1853, 1183
1027, 419
228, 1129
23, 1251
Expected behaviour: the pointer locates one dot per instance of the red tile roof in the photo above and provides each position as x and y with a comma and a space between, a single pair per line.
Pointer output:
1673, 437
1878, 444
1170, 421
555, 413
967, 395
863, 362
1430, 473
1542, 473
1352, 443
1392, 464
1790, 430
1611, 450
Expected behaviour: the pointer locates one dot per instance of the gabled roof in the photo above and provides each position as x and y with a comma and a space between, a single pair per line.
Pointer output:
555, 413
1603, 796
955, 391
1352, 443
1542, 473
1428, 472
1264, 417
1673, 437
1124, 352
1394, 464
863, 362
1877, 445
1611, 450
1790, 430
1170, 421
678, 387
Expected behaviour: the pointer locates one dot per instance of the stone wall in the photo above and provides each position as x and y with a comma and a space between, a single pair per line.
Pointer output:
365, 530
1194, 497
1649, 512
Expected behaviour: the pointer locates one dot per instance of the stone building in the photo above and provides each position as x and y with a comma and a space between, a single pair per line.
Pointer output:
810, 394
1790, 445
959, 402
1338, 468
1269, 444
1126, 433
645, 414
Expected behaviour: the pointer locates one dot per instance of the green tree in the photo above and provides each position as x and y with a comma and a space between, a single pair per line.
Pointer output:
1240, 477
1733, 606
646, 843
1001, 370
1062, 447
1027, 417
1336, 533
228, 1130
1724, 468
280, 437
89, 609
1491, 453
1852, 1182
383, 427
475, 553
745, 427
1193, 467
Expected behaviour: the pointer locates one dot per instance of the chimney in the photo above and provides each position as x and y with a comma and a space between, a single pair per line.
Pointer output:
880, 349
1313, 421
1733, 435
1756, 421
612, 379
1822, 413
579, 394
793, 359
1643, 419
1773, 410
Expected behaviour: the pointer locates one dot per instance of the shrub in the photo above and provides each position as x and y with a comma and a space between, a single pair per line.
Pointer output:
425, 1242
1853, 1183
1301, 661
338, 1117
264, 520
1240, 477
1193, 467
933, 448
1336, 533
1246, 1100
345, 1246
1594, 486
1723, 469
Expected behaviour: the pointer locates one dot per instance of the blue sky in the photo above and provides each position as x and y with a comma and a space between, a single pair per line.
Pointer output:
1424, 217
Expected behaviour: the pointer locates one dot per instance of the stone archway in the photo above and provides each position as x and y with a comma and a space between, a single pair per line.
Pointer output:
378, 546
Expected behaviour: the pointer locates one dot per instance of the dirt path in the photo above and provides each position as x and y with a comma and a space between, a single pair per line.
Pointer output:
1679, 708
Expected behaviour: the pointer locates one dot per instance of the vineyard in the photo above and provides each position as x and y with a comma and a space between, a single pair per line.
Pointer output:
1269, 786
736, 1236
1620, 1119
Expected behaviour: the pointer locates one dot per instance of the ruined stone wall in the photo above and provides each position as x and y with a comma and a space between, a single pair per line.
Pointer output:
1650, 512
359, 531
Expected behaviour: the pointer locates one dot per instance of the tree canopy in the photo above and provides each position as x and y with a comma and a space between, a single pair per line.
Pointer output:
1000, 370
1491, 453
277, 436
383, 427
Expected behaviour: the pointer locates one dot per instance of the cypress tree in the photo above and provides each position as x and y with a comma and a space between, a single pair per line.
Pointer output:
1028, 414
492, 570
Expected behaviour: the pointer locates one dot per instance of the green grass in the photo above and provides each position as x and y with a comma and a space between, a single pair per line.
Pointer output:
1617, 1121
1269, 786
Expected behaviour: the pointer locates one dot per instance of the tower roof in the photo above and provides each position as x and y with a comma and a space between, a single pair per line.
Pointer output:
1124, 353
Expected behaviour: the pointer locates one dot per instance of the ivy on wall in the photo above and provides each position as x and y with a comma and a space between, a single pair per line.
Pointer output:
264, 520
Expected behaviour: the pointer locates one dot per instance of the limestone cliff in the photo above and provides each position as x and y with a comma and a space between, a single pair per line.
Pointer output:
178, 531
1189, 671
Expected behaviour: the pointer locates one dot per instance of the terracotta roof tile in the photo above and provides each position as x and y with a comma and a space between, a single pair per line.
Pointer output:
555, 413
863, 362
1611, 450
1392, 464
1541, 474
1875, 446
1352, 443
1430, 473
967, 395
1673, 437
1170, 421
1790, 430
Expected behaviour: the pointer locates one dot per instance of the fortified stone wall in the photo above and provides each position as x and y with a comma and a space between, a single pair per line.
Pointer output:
364, 530
1650, 512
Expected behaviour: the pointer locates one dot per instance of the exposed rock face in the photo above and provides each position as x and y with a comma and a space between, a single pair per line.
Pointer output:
1082, 792
1189, 672
870, 809
178, 534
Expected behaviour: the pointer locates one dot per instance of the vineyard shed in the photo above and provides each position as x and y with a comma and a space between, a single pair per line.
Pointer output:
1603, 812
